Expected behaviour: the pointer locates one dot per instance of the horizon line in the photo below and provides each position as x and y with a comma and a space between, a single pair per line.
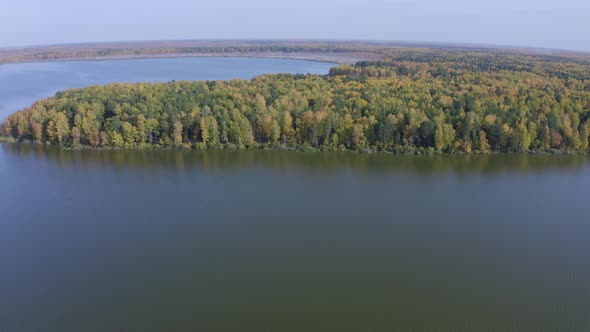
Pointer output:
383, 42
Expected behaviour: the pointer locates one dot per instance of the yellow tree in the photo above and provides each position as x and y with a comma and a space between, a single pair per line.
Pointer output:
484, 146
287, 128
177, 133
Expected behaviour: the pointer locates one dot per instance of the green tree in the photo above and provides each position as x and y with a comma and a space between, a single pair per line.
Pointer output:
439, 138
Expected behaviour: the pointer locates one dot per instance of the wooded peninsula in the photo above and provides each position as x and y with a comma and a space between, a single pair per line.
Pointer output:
409, 100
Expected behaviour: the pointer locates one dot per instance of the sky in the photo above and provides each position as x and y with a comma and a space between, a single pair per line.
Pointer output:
562, 24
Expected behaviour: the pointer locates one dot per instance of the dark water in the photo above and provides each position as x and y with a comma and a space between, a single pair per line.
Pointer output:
22, 84
279, 241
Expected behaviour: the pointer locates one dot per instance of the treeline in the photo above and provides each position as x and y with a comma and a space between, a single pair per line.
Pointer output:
77, 53
401, 105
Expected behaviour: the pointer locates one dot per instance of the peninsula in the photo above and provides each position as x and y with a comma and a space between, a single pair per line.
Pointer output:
382, 98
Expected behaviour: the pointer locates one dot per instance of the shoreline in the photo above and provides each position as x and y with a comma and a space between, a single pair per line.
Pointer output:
171, 56
400, 151
331, 58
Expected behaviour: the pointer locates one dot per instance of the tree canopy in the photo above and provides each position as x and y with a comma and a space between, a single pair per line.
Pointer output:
414, 101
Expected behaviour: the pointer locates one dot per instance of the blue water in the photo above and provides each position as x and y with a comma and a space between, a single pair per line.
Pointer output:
22, 84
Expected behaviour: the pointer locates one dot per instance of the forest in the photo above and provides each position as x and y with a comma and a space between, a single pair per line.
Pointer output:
413, 101
334, 51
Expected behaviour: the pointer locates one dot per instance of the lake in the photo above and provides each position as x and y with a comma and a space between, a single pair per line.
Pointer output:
259, 240
24, 83
282, 241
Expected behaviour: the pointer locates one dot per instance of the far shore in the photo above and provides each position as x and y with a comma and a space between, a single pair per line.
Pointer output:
338, 52
321, 51
324, 58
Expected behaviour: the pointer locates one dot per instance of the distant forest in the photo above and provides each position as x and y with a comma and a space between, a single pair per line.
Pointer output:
412, 101
341, 52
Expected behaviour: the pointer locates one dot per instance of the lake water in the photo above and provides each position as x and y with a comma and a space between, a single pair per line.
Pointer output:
285, 241
22, 84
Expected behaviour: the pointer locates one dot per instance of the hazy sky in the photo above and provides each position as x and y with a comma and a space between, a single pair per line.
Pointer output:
539, 23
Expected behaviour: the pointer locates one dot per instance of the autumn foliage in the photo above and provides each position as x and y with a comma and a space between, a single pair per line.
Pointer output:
415, 101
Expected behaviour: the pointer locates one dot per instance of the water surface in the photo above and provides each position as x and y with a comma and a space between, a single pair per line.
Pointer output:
285, 241
24, 83
280, 241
